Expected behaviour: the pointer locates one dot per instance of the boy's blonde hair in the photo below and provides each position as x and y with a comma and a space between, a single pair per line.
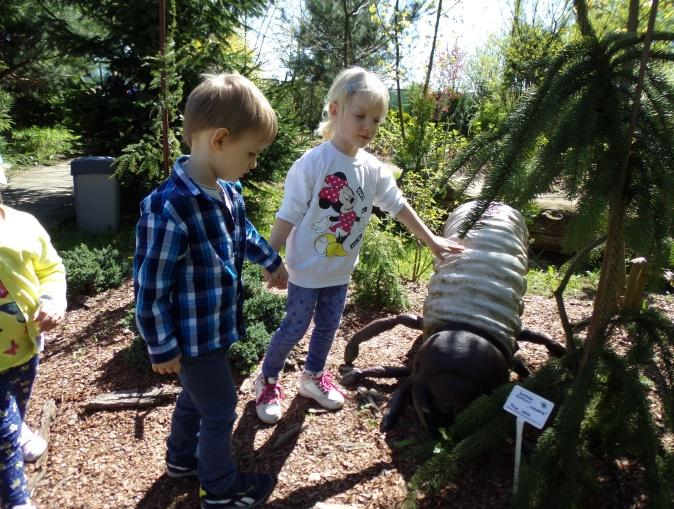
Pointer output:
347, 83
230, 101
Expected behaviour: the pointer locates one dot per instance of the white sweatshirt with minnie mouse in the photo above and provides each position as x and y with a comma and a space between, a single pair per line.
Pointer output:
328, 198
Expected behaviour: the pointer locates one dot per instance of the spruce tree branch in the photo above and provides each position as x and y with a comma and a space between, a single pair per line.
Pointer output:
577, 259
12, 69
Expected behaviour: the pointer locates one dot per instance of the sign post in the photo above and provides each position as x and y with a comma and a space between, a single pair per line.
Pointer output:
527, 407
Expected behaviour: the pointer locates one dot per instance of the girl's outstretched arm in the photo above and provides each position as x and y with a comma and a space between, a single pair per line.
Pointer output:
439, 246
279, 233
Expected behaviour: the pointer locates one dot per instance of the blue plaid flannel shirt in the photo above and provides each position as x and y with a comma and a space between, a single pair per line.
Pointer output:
187, 267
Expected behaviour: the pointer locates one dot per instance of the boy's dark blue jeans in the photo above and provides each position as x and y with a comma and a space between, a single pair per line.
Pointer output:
203, 419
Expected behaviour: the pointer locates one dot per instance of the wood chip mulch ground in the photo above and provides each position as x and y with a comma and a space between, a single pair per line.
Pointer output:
115, 459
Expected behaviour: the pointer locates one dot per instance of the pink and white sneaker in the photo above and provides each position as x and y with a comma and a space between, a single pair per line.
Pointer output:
26, 505
32, 446
268, 397
321, 388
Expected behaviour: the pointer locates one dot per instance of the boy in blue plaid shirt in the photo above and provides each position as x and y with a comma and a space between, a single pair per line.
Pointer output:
191, 241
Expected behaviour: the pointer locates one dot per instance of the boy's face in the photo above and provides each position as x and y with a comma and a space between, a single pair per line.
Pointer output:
234, 157
356, 123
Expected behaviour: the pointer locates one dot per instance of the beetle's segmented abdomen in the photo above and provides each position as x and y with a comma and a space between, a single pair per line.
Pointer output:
484, 285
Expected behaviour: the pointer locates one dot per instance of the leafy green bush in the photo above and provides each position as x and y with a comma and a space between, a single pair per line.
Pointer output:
5, 107
91, 270
40, 145
376, 276
246, 353
422, 156
135, 355
266, 308
262, 312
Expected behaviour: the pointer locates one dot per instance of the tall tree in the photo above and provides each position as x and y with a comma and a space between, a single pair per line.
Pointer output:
328, 36
395, 23
32, 69
117, 111
598, 126
533, 37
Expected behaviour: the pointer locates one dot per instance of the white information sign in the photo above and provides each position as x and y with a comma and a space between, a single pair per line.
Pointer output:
528, 406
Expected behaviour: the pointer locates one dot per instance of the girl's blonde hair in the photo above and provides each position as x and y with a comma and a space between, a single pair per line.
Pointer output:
231, 101
347, 83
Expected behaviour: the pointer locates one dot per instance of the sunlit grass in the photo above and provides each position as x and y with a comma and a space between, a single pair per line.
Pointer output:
544, 282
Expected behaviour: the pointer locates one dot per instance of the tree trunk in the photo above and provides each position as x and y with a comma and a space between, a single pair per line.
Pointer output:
164, 110
435, 38
586, 30
606, 301
396, 44
632, 24
517, 12
633, 16
347, 35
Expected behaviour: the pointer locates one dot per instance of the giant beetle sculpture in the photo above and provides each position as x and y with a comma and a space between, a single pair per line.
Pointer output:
471, 322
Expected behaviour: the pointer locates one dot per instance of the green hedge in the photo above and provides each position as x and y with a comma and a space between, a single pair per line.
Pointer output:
92, 270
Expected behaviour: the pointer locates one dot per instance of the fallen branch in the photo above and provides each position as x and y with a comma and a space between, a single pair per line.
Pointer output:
132, 398
48, 415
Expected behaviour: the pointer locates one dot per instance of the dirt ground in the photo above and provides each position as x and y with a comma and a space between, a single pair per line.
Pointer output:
115, 459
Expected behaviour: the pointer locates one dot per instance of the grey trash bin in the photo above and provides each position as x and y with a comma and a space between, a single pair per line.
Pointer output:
96, 194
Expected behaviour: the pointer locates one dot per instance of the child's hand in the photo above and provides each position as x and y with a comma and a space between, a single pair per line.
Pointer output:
168, 367
47, 316
441, 247
278, 278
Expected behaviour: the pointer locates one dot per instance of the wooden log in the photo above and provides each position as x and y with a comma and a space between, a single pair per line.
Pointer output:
132, 398
636, 283
548, 230
325, 505
48, 415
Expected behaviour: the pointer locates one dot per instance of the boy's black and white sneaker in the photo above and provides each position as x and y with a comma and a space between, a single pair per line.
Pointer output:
176, 469
249, 490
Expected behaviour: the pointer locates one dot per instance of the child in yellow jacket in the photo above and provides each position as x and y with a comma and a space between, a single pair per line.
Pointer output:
32, 301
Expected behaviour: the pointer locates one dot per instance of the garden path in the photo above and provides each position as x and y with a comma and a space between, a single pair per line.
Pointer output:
44, 191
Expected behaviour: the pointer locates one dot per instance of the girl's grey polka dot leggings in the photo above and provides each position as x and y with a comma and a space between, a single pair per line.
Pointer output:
326, 306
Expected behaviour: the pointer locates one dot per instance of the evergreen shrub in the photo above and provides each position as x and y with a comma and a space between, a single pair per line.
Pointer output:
262, 312
246, 353
135, 355
6, 102
40, 145
266, 308
376, 282
92, 270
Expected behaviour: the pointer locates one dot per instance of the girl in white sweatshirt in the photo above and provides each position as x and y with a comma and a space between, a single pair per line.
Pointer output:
329, 194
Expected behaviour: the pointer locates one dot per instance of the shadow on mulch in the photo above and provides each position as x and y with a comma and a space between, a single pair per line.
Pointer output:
107, 320
275, 452
126, 370
168, 493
